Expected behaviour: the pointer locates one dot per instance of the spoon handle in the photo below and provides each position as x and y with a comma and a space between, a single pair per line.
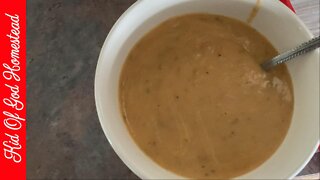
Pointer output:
288, 55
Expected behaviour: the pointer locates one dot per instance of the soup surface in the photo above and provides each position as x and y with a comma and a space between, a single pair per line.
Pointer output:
196, 101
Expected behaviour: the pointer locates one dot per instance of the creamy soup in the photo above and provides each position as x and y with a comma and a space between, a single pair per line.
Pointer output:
196, 100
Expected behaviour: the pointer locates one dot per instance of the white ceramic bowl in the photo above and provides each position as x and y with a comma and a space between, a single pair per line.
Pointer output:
275, 21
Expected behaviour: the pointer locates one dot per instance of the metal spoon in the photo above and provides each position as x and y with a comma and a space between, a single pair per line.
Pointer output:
288, 55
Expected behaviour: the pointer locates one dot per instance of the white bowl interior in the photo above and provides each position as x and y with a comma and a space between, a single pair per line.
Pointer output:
283, 29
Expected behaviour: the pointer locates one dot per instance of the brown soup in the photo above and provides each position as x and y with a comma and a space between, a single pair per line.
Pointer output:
196, 101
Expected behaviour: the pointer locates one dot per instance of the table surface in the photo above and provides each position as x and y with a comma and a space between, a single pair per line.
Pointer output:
64, 137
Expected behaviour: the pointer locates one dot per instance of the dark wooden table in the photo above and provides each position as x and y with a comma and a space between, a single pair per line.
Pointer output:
64, 137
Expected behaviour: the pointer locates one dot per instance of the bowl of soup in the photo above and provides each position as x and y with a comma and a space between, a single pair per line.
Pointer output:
180, 92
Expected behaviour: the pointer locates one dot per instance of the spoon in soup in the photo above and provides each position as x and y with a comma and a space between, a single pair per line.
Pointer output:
288, 55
